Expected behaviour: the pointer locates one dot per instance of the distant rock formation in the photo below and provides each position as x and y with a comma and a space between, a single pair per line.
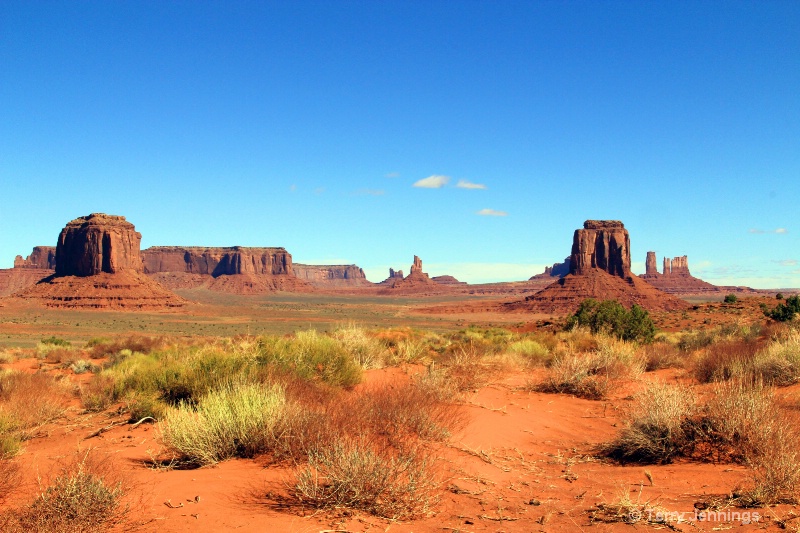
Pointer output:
395, 274
651, 265
42, 258
558, 270
234, 269
416, 282
332, 276
98, 265
675, 277
98, 243
600, 268
602, 244
448, 280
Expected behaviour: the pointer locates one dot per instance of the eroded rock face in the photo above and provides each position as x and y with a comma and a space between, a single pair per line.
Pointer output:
679, 266
395, 274
651, 265
416, 268
333, 275
666, 270
603, 244
98, 243
218, 261
42, 257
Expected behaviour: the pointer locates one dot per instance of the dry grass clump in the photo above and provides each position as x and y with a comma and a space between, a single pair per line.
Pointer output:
660, 355
531, 350
27, 401
367, 351
100, 347
593, 375
236, 420
775, 471
725, 360
357, 474
84, 497
656, 429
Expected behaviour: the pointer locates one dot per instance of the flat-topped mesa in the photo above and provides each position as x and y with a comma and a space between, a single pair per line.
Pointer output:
218, 261
331, 275
42, 258
98, 243
651, 265
601, 244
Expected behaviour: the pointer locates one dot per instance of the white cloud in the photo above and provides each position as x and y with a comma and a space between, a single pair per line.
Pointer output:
781, 231
756, 231
491, 213
393, 175
433, 182
778, 231
464, 184
787, 262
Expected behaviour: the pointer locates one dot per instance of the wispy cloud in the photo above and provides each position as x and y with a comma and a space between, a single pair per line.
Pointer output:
787, 262
464, 184
293, 187
370, 192
778, 231
319, 190
392, 175
491, 213
433, 182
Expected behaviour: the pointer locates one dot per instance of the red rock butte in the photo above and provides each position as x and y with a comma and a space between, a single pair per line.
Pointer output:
600, 268
98, 265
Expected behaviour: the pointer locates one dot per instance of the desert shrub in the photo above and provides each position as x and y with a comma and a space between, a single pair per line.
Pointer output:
656, 429
775, 472
98, 394
660, 355
102, 347
55, 341
531, 350
311, 356
779, 296
725, 360
355, 474
592, 375
784, 312
366, 350
236, 420
80, 366
730, 299
611, 318
29, 401
83, 497
409, 350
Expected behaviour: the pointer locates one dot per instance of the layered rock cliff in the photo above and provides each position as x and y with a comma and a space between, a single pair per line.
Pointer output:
331, 275
602, 244
42, 258
218, 261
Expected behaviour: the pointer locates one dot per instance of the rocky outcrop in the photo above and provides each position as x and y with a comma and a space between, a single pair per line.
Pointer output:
651, 265
448, 280
99, 266
42, 258
600, 268
332, 276
98, 243
234, 269
602, 244
416, 282
558, 270
675, 277
218, 261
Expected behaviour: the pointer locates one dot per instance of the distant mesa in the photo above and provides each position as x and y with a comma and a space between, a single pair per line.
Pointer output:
558, 270
332, 276
600, 268
235, 269
448, 280
98, 265
28, 271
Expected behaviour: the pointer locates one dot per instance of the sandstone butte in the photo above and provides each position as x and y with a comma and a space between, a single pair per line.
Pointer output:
98, 265
676, 278
417, 282
235, 269
332, 276
600, 268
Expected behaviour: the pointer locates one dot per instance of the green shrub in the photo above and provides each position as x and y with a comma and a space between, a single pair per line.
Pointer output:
730, 299
611, 318
236, 420
784, 312
55, 341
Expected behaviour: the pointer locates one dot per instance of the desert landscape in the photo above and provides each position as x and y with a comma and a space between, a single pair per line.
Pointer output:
218, 389
399, 266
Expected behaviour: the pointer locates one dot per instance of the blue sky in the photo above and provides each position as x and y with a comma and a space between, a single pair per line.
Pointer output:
307, 124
